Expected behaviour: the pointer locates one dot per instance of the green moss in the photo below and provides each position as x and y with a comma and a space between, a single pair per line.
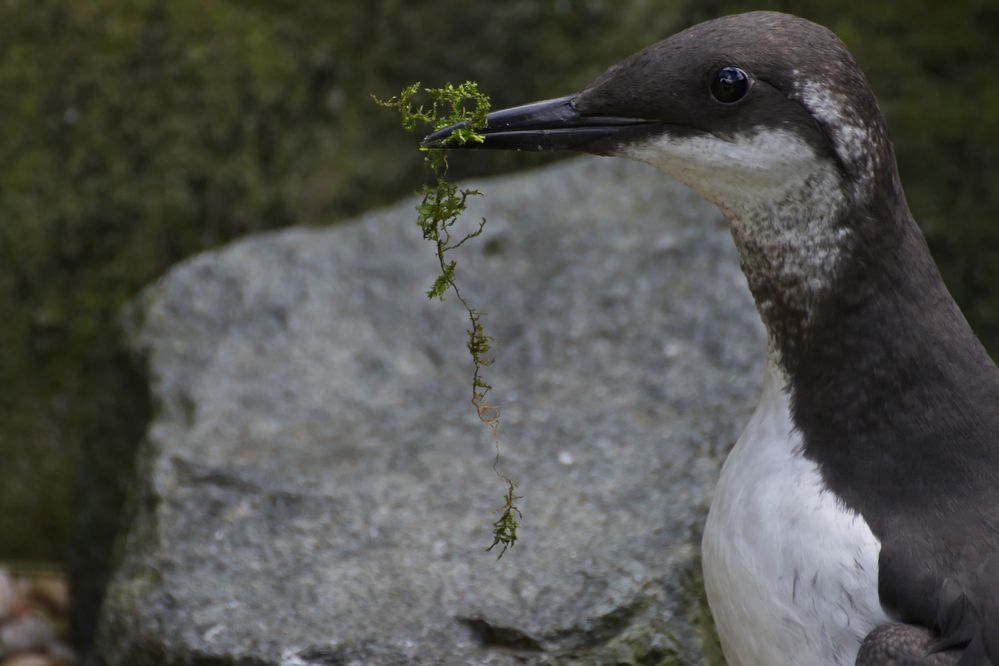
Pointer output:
652, 642
644, 645
464, 108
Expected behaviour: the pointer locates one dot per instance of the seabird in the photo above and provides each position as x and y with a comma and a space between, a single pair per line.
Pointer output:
856, 520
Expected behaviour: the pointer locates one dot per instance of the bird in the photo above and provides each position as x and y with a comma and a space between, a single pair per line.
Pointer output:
856, 518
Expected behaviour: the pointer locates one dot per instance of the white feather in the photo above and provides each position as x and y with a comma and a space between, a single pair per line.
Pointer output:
790, 573
782, 201
854, 142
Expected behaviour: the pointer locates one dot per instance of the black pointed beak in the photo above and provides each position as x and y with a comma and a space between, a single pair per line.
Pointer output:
553, 124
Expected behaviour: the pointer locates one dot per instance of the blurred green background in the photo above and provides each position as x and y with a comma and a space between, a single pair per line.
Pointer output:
134, 134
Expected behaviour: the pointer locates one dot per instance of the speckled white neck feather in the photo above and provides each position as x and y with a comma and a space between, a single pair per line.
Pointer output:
859, 146
783, 203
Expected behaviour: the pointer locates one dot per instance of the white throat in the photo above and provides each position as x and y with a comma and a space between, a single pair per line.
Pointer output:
784, 204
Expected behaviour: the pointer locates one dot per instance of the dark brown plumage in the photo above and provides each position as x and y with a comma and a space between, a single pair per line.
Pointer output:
896, 401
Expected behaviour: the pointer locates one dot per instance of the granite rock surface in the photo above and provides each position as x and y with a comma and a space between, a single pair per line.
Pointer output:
315, 489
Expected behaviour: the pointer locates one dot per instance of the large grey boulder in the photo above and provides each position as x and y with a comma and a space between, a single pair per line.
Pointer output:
316, 489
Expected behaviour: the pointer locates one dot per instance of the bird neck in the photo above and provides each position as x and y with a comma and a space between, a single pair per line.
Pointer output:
826, 253
873, 348
792, 247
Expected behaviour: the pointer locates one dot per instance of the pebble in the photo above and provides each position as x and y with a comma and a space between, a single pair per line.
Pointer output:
26, 634
28, 660
31, 610
8, 593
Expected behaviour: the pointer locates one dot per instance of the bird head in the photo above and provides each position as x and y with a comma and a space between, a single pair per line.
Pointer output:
738, 108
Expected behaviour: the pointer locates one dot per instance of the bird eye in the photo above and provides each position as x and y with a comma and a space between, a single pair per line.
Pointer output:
729, 85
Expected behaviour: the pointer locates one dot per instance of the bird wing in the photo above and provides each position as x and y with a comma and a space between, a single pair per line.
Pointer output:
950, 589
967, 611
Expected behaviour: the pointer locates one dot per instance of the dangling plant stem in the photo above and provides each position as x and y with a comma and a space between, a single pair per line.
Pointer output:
441, 204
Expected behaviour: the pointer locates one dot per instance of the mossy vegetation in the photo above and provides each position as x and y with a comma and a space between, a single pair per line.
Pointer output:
441, 205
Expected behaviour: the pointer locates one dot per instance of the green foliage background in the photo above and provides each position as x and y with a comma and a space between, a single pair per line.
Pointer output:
134, 134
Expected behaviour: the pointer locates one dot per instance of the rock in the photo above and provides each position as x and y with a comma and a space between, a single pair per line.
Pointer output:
30, 610
29, 660
8, 594
27, 633
51, 592
315, 488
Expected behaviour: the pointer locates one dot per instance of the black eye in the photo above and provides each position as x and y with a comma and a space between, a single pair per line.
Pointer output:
729, 85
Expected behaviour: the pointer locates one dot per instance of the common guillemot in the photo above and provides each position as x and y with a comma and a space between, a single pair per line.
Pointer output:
856, 520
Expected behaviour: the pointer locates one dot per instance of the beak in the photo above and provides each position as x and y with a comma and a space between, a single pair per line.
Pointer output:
554, 124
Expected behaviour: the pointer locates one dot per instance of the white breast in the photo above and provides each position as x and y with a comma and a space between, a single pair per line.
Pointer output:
790, 573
